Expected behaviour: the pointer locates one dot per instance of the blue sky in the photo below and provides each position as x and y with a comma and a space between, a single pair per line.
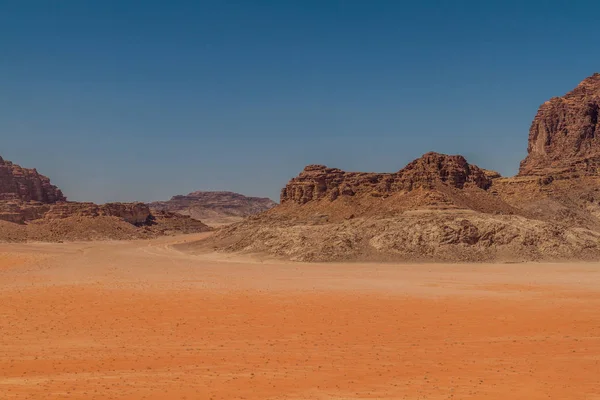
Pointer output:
142, 100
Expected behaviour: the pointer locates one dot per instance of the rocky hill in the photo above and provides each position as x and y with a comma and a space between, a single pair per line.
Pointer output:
318, 182
434, 181
215, 208
31, 208
441, 208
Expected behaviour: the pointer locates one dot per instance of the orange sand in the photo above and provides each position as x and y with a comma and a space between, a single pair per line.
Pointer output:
140, 320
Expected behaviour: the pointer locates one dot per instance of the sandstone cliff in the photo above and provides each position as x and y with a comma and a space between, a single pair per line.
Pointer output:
433, 182
18, 183
565, 134
318, 182
134, 213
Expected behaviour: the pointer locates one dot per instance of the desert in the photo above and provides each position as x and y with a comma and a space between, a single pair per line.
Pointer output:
441, 280
299, 200
143, 319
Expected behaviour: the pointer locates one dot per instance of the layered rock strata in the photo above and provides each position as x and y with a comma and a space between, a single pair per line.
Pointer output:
18, 183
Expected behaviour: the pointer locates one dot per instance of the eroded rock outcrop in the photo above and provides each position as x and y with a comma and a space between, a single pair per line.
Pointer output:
134, 213
565, 134
318, 182
20, 212
31, 208
18, 183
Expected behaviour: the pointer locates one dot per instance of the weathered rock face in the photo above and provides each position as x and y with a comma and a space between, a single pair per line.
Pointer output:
25, 196
565, 133
134, 213
454, 171
20, 212
318, 182
17, 183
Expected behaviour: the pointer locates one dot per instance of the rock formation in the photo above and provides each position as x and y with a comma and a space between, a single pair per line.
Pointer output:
441, 208
318, 182
17, 183
437, 208
137, 214
33, 209
565, 133
215, 207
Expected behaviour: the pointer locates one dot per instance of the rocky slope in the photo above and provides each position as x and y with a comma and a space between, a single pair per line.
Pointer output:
437, 208
441, 208
413, 236
215, 208
31, 208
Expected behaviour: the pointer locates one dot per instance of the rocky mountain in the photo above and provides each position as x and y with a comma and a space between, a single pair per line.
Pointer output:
31, 208
216, 208
441, 208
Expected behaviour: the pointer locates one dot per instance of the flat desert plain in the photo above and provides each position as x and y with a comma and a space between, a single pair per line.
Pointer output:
146, 320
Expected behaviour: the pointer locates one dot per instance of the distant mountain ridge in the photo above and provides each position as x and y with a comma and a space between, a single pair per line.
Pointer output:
215, 208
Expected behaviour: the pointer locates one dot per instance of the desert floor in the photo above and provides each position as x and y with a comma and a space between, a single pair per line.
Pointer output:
143, 320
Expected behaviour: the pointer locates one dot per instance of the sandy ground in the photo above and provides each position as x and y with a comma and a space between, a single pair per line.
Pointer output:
142, 320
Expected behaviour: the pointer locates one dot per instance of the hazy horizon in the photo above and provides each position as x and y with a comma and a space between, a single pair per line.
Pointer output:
140, 101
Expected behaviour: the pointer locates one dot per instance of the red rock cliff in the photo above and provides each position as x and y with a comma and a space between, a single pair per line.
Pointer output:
134, 213
317, 181
565, 133
17, 183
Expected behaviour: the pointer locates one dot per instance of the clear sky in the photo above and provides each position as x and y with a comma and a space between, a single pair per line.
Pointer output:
141, 100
